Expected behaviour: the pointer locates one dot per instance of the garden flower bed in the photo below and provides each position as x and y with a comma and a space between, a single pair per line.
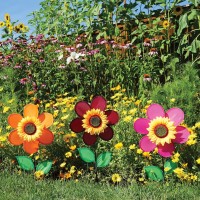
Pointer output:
72, 105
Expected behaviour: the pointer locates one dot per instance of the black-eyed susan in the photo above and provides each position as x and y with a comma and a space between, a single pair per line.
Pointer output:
7, 17
2, 24
21, 26
178, 10
16, 29
166, 24
94, 120
161, 129
30, 130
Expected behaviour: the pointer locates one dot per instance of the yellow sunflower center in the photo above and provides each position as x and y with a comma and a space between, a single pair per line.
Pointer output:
94, 121
161, 130
30, 128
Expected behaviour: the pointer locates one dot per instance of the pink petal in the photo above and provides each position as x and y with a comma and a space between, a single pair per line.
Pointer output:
112, 117
98, 102
146, 145
89, 139
176, 115
107, 134
81, 108
141, 125
166, 150
76, 125
181, 135
155, 110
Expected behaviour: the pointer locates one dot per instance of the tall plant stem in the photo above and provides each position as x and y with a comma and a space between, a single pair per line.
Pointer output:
96, 168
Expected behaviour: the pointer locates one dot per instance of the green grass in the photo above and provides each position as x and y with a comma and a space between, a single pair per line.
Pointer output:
24, 187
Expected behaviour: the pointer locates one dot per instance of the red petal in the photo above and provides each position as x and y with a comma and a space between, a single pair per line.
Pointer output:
112, 117
76, 125
81, 108
89, 139
98, 102
107, 134
47, 137
31, 147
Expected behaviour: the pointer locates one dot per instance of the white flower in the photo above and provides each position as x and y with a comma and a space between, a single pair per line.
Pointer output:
74, 56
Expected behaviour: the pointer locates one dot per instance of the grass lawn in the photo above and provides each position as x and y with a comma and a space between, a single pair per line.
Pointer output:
24, 187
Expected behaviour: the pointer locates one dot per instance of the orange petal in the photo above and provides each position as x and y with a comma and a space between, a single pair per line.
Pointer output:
14, 138
46, 119
14, 119
31, 110
47, 137
31, 147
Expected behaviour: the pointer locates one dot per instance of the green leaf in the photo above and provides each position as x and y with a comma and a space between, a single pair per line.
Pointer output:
193, 15
117, 31
86, 154
170, 166
25, 162
103, 159
182, 23
154, 173
44, 166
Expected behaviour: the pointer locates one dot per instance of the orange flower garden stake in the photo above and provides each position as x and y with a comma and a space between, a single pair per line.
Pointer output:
30, 130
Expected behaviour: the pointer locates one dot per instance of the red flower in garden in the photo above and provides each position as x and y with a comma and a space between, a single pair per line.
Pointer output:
161, 129
94, 120
30, 130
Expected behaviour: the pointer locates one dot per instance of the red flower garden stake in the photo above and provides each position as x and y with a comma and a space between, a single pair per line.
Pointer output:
95, 121
162, 130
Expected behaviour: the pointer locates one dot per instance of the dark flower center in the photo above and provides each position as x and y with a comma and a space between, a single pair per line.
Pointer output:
95, 121
30, 128
161, 131
178, 9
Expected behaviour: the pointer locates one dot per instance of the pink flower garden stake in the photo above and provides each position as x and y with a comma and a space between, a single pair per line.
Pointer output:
94, 120
161, 129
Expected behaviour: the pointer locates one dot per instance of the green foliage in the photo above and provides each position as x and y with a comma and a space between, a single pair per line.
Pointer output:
182, 92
